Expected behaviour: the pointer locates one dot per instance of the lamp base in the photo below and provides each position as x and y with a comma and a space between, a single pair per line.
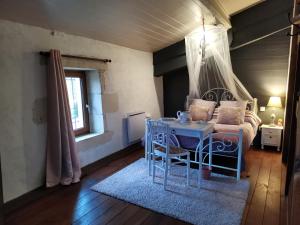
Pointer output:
272, 124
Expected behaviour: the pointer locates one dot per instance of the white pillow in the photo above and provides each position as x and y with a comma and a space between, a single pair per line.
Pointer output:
241, 104
229, 115
210, 104
199, 112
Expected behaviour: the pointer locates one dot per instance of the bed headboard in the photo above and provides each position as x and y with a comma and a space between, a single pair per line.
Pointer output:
223, 94
217, 95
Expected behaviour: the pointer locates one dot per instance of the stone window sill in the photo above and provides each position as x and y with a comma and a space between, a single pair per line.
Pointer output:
86, 136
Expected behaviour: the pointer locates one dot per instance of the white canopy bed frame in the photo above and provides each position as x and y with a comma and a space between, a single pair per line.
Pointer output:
208, 145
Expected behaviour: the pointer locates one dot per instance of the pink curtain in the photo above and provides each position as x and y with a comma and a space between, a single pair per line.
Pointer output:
62, 159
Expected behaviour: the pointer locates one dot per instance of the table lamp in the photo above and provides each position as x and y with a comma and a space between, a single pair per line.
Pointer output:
274, 102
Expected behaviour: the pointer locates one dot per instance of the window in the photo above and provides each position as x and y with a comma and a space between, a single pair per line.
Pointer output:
77, 94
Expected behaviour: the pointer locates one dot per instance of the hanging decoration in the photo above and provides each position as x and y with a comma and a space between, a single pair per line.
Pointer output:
202, 49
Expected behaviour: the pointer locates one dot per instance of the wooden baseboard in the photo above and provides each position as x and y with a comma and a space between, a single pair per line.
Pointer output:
43, 191
103, 162
28, 197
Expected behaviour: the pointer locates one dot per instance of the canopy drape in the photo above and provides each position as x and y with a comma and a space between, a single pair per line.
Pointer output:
209, 63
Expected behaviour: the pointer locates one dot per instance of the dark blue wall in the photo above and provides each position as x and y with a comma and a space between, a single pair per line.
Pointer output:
176, 88
260, 20
169, 59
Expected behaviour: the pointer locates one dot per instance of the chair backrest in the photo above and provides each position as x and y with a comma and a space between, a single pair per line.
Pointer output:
158, 128
159, 133
228, 140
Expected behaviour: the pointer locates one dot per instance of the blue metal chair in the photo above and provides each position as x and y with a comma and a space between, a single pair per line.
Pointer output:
164, 146
224, 144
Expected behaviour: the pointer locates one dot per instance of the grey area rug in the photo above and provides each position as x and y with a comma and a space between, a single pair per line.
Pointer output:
220, 200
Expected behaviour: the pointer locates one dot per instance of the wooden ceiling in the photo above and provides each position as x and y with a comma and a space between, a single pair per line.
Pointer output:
147, 25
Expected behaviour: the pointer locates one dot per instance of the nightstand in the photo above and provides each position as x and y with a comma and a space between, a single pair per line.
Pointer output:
271, 136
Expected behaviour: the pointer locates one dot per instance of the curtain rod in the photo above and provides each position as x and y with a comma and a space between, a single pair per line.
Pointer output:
78, 57
258, 39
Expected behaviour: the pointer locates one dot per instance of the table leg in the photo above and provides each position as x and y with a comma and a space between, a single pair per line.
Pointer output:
210, 151
199, 148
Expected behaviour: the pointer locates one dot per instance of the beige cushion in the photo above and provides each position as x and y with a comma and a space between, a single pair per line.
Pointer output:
229, 115
199, 112
241, 104
210, 104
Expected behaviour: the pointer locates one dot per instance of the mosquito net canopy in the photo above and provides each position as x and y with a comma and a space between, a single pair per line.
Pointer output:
209, 63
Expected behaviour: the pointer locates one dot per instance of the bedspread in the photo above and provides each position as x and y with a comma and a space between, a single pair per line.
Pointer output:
249, 131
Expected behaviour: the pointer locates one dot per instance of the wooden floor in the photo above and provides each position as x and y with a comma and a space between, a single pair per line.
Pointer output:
77, 204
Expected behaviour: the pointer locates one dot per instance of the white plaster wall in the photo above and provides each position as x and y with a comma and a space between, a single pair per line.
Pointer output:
23, 94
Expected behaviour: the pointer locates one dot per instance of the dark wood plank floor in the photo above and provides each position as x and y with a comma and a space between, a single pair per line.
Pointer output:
77, 204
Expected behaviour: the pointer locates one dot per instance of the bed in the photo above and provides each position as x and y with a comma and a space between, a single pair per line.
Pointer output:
249, 125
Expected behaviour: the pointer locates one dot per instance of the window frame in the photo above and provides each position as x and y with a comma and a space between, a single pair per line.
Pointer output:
86, 122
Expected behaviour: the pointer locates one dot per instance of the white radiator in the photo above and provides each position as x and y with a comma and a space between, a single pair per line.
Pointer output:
135, 126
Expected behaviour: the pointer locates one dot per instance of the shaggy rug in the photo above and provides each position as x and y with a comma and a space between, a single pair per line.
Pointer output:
220, 200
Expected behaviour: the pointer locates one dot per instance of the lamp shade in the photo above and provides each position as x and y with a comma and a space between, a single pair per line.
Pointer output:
275, 102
